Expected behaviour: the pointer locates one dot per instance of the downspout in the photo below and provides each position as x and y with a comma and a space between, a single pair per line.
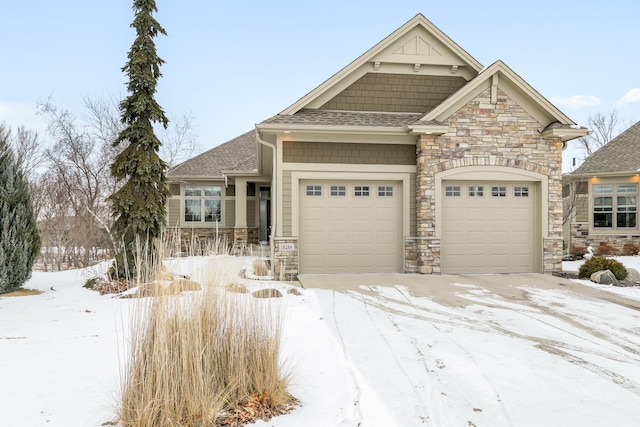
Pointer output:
274, 195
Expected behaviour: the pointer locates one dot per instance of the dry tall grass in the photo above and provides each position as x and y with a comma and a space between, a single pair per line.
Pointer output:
197, 357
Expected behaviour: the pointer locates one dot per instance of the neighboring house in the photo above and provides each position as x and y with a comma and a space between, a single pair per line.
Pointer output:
412, 158
601, 198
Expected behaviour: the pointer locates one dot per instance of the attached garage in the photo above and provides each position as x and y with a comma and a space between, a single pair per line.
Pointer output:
350, 226
490, 227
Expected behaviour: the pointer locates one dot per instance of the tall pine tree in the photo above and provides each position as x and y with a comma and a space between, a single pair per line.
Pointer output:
19, 238
139, 205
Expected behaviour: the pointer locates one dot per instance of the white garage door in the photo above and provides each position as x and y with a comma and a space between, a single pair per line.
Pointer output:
490, 227
350, 227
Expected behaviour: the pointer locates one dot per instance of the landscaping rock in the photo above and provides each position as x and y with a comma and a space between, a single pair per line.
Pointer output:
604, 277
633, 276
267, 293
181, 285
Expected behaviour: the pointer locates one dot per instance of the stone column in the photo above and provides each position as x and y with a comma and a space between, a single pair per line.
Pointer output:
428, 246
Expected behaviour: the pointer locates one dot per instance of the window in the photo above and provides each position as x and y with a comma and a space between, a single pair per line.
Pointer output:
314, 190
476, 191
620, 199
452, 191
385, 191
521, 191
202, 203
499, 191
361, 190
338, 190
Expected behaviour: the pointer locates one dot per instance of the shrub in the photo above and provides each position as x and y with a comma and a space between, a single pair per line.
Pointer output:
19, 238
199, 359
631, 249
260, 267
599, 263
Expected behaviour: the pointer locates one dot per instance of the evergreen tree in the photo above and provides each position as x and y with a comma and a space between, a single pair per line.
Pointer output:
19, 238
139, 206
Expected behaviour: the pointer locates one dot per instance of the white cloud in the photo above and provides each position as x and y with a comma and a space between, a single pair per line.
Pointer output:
631, 97
576, 101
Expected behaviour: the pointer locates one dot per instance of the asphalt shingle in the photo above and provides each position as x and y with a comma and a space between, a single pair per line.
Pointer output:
238, 154
621, 154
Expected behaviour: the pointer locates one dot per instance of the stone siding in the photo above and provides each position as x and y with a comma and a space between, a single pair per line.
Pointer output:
285, 258
581, 239
486, 134
203, 241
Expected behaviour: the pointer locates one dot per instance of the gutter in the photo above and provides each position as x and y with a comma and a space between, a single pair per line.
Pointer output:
274, 195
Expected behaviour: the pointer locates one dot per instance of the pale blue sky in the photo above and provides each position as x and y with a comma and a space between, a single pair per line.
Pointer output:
233, 64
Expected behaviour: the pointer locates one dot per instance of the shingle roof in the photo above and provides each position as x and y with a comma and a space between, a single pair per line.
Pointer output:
317, 117
238, 154
622, 154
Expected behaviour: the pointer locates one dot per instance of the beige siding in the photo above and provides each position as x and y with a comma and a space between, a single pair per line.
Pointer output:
251, 213
230, 212
173, 212
582, 209
395, 92
344, 153
286, 203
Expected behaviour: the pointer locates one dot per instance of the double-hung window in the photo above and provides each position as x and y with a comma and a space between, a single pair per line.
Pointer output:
615, 206
202, 203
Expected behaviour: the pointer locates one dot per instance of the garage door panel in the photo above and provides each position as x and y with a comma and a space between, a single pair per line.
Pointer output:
489, 234
350, 233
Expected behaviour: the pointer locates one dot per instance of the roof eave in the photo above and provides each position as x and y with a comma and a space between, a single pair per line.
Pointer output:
331, 129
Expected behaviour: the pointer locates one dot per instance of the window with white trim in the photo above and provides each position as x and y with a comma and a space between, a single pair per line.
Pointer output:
338, 190
476, 191
385, 191
521, 191
361, 190
615, 206
499, 191
314, 190
202, 203
452, 191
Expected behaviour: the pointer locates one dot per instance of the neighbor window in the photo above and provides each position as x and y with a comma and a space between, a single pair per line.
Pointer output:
361, 190
385, 191
615, 205
314, 190
452, 191
202, 203
338, 190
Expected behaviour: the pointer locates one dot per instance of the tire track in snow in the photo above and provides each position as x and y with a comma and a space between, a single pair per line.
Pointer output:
488, 381
352, 375
445, 417
554, 347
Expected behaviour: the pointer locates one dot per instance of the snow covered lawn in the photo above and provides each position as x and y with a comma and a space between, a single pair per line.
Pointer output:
378, 356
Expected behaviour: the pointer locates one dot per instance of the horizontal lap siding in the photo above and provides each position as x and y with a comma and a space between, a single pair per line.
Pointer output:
348, 153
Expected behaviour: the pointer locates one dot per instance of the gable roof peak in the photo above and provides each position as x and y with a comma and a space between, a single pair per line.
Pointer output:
416, 43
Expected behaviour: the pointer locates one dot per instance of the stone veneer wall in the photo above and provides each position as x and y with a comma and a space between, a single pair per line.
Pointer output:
200, 241
285, 258
486, 134
580, 238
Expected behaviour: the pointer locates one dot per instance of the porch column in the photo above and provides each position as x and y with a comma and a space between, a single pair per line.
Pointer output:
240, 232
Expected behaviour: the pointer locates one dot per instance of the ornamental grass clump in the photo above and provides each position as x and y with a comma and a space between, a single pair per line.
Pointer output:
599, 263
206, 358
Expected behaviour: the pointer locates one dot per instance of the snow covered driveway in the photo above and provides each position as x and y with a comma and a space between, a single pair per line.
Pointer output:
565, 355
457, 351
